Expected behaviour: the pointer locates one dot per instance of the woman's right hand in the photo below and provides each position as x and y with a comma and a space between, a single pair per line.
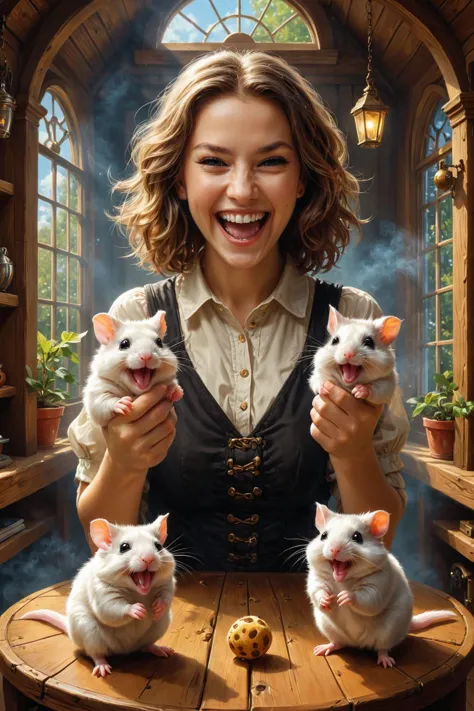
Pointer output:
141, 439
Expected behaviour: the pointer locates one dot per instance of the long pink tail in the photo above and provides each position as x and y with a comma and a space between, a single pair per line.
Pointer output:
425, 619
54, 618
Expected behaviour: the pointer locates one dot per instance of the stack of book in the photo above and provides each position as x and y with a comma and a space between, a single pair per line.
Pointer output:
9, 526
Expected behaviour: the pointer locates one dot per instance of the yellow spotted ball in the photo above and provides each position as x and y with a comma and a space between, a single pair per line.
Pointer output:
249, 637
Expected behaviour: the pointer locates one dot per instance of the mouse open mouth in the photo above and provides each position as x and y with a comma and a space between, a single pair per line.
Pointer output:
350, 372
142, 580
339, 569
141, 376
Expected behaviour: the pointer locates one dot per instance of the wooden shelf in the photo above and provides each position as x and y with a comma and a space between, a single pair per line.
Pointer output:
6, 188
443, 476
8, 299
7, 391
30, 534
29, 474
449, 532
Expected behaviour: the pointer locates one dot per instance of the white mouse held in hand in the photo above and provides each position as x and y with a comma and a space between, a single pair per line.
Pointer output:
120, 599
359, 591
358, 357
131, 360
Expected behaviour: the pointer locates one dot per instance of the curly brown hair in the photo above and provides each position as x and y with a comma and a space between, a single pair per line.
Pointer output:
161, 231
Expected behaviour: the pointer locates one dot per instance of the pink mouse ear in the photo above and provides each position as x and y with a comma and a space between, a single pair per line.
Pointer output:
101, 533
160, 528
323, 514
379, 525
334, 320
105, 327
389, 328
159, 321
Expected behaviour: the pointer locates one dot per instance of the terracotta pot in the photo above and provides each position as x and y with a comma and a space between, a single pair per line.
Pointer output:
48, 425
440, 434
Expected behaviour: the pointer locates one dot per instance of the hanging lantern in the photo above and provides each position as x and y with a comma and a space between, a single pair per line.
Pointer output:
370, 111
7, 102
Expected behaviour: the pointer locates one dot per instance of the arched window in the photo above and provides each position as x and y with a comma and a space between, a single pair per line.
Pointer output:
268, 21
436, 251
61, 262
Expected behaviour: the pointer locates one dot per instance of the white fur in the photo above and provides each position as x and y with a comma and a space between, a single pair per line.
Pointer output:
378, 365
102, 594
382, 612
110, 380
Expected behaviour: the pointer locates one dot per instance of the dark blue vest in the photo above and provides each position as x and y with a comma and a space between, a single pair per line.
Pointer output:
240, 502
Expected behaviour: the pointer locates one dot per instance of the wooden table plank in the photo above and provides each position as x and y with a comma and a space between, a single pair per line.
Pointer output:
24, 631
429, 599
227, 681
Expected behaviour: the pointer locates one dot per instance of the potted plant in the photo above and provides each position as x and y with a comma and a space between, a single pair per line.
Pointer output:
50, 366
439, 410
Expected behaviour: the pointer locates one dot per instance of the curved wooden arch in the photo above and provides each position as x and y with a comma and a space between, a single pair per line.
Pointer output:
426, 23
421, 115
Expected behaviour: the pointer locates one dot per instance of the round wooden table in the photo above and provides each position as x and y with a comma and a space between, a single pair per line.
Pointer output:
41, 663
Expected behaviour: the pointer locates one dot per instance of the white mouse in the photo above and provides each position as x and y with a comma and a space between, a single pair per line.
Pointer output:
120, 599
131, 360
359, 591
358, 357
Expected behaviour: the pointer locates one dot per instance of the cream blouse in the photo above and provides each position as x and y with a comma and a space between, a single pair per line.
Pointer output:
244, 368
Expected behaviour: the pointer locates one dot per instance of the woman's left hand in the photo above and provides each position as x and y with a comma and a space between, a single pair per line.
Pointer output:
343, 425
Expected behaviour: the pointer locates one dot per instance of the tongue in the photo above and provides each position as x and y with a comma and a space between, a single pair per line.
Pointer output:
350, 372
339, 570
142, 377
244, 230
142, 581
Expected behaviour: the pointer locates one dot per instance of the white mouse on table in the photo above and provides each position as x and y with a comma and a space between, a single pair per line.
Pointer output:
358, 357
120, 599
131, 360
359, 591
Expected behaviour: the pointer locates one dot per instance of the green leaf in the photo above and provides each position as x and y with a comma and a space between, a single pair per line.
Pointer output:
419, 409
457, 411
29, 371
69, 378
429, 397
441, 379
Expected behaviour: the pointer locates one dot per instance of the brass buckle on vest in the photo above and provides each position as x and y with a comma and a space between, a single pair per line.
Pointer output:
251, 541
252, 520
244, 443
232, 491
248, 469
252, 557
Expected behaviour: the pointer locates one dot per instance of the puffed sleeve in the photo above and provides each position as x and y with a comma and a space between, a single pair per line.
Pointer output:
85, 437
393, 427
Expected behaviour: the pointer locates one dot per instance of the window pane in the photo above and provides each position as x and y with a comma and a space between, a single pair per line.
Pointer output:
262, 35
61, 320
61, 185
45, 222
61, 277
74, 320
44, 320
429, 226
294, 31
73, 192
429, 188
429, 271
446, 315
73, 280
429, 319
45, 272
73, 234
61, 231
429, 369
445, 218
45, 176
445, 358
445, 265
218, 34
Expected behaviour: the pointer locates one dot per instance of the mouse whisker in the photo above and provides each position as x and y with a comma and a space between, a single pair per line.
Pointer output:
356, 555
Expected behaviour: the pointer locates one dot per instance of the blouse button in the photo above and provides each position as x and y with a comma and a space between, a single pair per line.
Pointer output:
241, 338
244, 405
244, 372
252, 325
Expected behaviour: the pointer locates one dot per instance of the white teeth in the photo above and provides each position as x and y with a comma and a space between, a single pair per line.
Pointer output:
242, 218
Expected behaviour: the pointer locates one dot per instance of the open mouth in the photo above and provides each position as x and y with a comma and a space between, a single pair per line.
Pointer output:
339, 569
350, 372
141, 376
142, 581
244, 231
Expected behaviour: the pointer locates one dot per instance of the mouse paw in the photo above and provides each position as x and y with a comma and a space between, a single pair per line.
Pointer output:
345, 598
137, 611
326, 601
158, 650
326, 649
361, 392
124, 405
385, 659
102, 667
175, 392
158, 606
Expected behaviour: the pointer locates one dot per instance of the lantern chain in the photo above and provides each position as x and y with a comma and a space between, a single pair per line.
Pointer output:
5, 72
368, 7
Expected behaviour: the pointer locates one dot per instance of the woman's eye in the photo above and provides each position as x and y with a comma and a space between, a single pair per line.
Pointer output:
213, 162
277, 160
